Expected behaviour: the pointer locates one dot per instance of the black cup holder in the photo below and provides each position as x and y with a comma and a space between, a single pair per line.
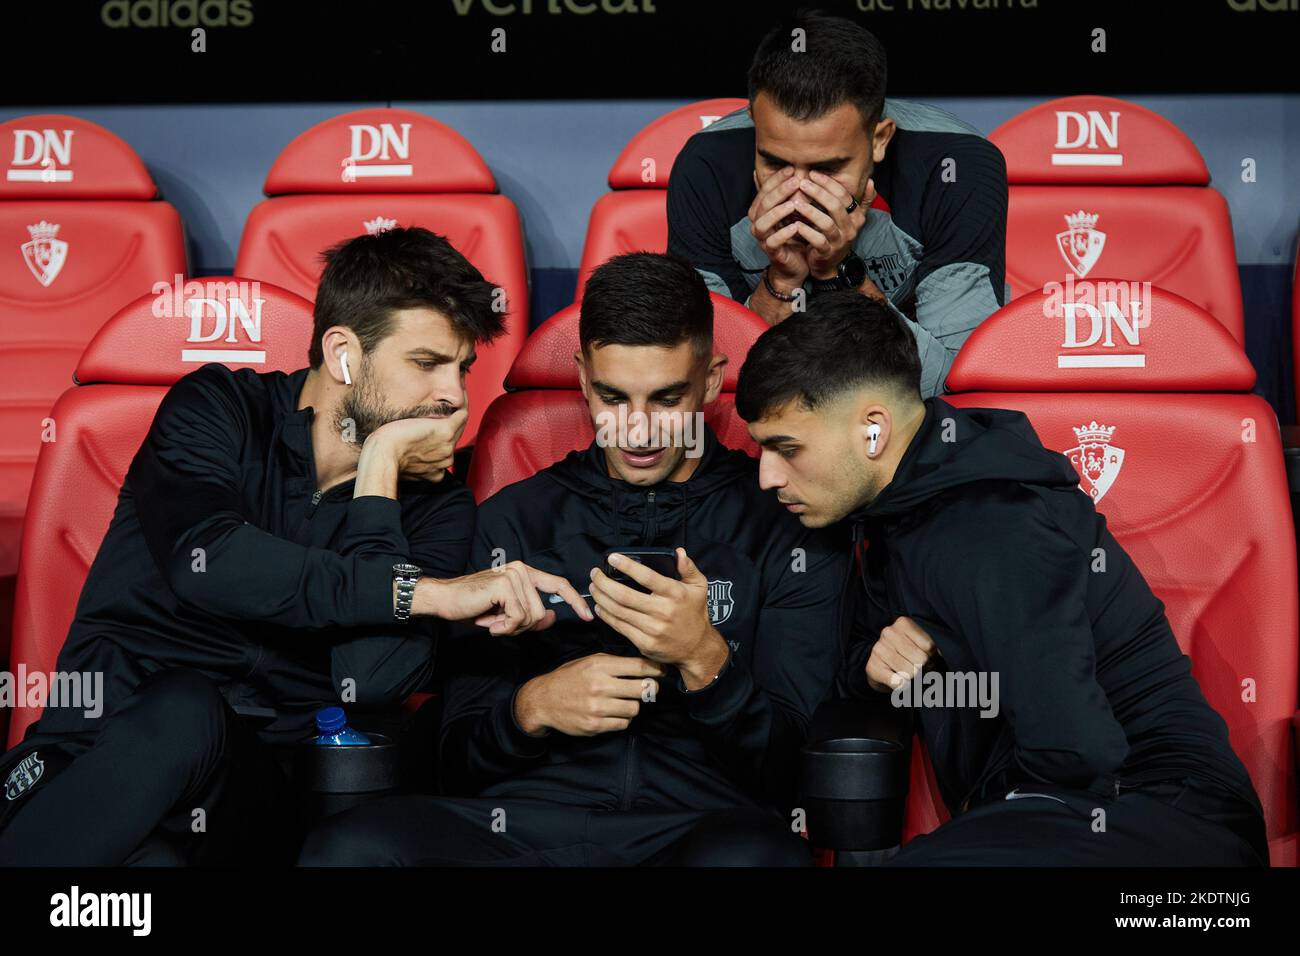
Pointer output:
348, 768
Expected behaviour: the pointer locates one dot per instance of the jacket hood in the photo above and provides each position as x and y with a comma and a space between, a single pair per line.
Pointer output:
983, 444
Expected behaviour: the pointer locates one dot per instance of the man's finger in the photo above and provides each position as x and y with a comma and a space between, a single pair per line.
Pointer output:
639, 621
815, 238
641, 573
618, 665
769, 219
605, 588
818, 218
512, 577
915, 633
829, 191
686, 569
546, 620
554, 584
631, 688
615, 617
783, 235
894, 662
536, 610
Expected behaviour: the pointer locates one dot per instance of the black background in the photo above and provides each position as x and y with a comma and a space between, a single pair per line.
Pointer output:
60, 51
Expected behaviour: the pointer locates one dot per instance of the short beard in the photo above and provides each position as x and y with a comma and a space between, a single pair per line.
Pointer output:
363, 411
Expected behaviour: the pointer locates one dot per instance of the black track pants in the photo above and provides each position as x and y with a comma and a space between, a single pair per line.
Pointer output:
171, 778
518, 831
1167, 824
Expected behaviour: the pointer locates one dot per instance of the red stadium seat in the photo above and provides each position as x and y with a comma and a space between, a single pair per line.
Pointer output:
378, 168
525, 431
1101, 186
121, 378
86, 234
1187, 467
632, 218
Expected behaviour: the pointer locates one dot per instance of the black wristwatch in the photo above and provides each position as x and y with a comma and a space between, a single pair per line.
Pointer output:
852, 272
405, 575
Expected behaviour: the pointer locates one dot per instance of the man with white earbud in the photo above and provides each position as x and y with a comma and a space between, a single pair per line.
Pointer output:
282, 543
976, 555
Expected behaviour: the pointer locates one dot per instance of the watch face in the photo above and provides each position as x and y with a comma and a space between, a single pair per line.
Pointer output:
407, 570
853, 270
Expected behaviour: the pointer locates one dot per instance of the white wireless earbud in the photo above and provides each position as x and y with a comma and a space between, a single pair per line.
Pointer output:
873, 436
343, 360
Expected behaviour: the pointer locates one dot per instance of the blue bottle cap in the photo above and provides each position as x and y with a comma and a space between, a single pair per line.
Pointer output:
330, 720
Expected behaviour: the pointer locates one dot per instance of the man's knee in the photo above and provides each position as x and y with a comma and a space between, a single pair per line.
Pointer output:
738, 839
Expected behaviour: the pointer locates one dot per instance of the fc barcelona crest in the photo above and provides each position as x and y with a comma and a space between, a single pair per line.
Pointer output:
1095, 459
24, 776
44, 254
1081, 243
720, 602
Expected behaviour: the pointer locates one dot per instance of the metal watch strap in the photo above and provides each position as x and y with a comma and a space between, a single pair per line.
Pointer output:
405, 576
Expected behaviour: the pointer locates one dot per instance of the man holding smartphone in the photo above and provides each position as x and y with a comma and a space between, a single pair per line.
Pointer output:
669, 729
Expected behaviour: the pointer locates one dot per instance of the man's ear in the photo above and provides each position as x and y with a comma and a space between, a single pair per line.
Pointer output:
714, 387
336, 340
580, 361
875, 418
884, 132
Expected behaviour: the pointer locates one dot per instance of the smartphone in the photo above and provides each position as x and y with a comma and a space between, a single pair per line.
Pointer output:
659, 560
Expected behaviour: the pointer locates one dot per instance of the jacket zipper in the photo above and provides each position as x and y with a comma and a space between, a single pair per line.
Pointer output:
626, 802
649, 516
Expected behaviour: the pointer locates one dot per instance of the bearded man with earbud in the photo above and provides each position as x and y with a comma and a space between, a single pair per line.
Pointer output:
282, 542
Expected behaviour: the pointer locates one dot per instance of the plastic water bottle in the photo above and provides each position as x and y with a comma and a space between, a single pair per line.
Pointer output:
332, 726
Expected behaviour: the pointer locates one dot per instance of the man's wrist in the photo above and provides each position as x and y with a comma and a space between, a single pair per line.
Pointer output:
826, 273
429, 597
704, 667
377, 470
526, 712
781, 286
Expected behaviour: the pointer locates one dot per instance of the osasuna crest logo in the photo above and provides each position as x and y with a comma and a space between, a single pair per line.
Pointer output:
24, 776
1095, 459
720, 602
44, 254
1081, 243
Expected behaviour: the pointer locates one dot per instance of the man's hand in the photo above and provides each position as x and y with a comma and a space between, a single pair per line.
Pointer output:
903, 649
588, 696
833, 229
502, 599
671, 623
411, 448
774, 203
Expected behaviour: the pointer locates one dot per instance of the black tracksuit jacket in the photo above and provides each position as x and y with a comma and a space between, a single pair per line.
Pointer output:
988, 543
735, 743
223, 557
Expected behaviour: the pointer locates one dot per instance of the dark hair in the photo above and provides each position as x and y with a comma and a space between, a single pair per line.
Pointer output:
844, 341
646, 298
368, 277
842, 61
